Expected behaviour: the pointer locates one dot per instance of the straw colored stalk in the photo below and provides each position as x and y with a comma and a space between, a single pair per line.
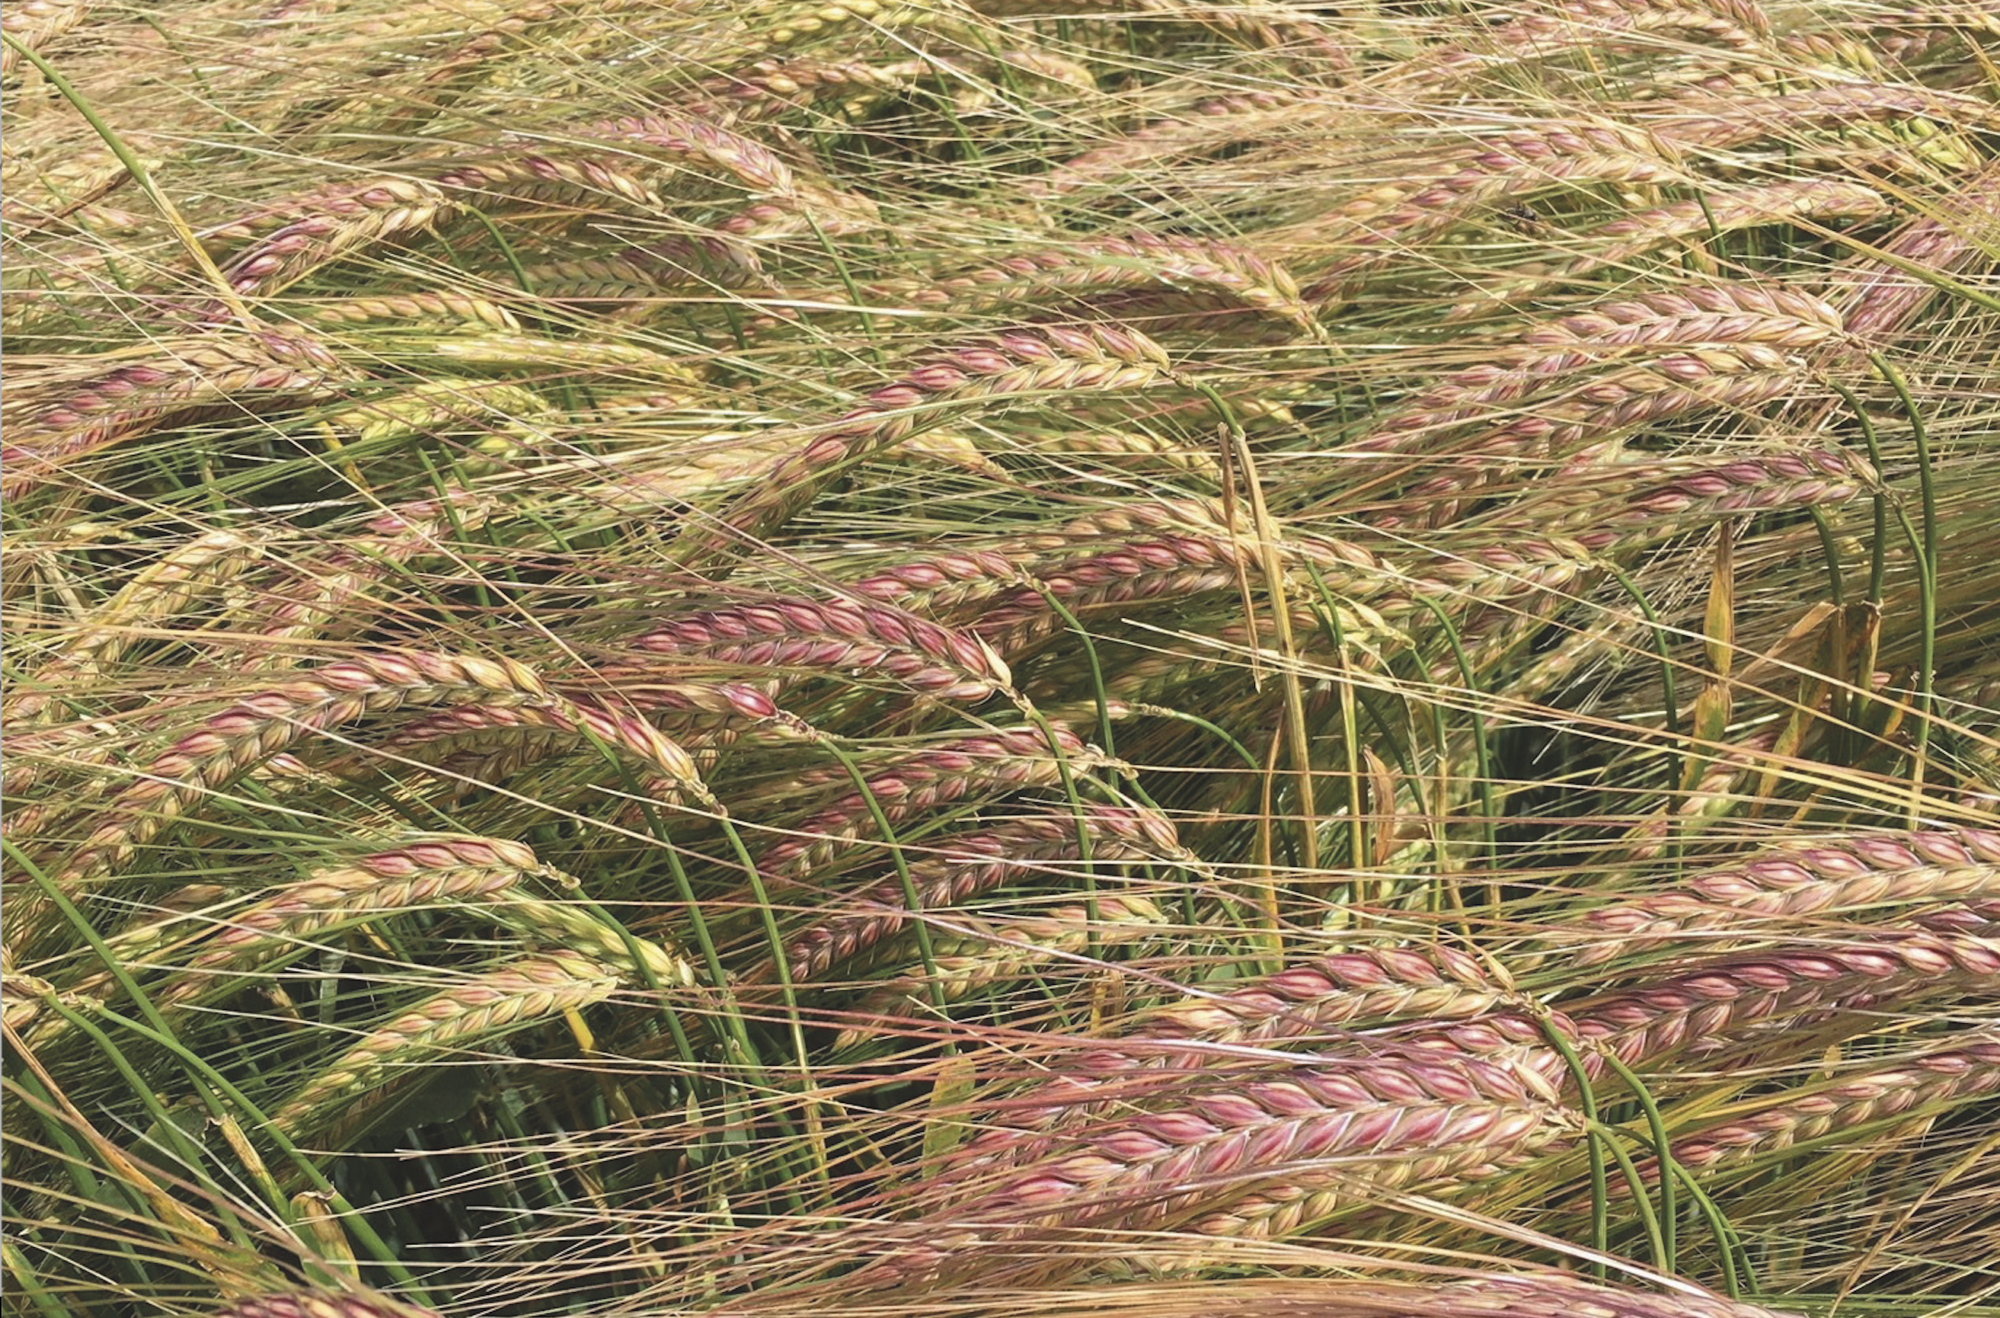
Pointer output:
1917, 1090
1726, 994
977, 955
455, 1021
271, 721
1141, 260
1008, 760
163, 588
1629, 237
237, 373
1222, 1150
1778, 891
1055, 359
1328, 992
803, 635
966, 866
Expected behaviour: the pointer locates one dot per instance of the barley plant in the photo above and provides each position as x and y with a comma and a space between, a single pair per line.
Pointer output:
1002, 657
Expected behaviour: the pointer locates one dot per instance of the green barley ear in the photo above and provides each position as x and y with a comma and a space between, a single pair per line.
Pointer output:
448, 1025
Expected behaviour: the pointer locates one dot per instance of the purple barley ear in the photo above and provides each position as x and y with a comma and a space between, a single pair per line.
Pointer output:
1592, 24
310, 704
1327, 992
1440, 189
210, 940
322, 1304
1733, 120
1881, 296
474, 1008
1224, 1148
1140, 261
835, 637
1548, 1295
961, 868
1849, 876
1656, 330
1629, 237
235, 371
1707, 1003
162, 589
1917, 1089
964, 768
1026, 360
770, 87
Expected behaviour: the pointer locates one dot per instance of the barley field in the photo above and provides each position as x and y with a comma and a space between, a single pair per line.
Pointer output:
1002, 658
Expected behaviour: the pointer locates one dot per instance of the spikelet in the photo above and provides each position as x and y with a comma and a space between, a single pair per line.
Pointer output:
1722, 996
